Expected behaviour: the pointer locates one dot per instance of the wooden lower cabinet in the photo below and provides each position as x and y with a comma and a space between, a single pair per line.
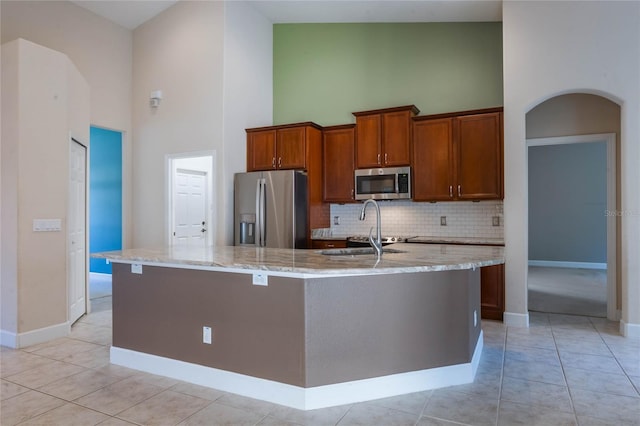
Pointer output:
328, 244
492, 292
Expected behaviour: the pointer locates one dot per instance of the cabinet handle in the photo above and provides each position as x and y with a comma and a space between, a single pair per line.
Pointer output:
273, 162
450, 191
331, 245
353, 191
378, 158
459, 191
279, 161
385, 158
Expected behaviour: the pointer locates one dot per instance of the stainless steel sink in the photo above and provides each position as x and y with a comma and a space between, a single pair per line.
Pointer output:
356, 251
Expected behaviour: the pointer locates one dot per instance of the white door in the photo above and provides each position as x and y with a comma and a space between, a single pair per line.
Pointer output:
189, 207
76, 226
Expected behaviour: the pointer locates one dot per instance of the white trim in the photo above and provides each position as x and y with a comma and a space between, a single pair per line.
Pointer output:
610, 140
629, 329
8, 339
512, 319
33, 337
573, 265
296, 396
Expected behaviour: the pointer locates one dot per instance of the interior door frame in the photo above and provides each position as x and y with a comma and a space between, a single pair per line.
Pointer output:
609, 139
87, 303
211, 192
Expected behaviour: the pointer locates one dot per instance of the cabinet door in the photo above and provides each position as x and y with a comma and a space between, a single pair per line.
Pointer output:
368, 134
492, 292
291, 147
338, 153
261, 150
478, 145
328, 244
396, 137
433, 160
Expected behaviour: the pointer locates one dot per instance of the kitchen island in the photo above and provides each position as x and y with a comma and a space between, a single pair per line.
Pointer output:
299, 327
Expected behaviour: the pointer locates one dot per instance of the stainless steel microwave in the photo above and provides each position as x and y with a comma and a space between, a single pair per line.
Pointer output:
387, 183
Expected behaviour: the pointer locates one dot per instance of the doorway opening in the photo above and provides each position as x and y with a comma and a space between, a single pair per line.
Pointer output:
572, 239
190, 199
105, 210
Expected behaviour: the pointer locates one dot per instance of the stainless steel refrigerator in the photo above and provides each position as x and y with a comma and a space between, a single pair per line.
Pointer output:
270, 209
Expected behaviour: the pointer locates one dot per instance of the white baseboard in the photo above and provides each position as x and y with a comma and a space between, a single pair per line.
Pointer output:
299, 397
8, 339
101, 275
629, 329
574, 265
512, 319
33, 337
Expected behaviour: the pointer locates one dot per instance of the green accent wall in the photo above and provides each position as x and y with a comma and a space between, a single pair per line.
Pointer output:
324, 72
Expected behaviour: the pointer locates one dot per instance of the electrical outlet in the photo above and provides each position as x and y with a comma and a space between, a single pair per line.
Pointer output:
207, 335
496, 220
443, 221
136, 268
261, 279
336, 220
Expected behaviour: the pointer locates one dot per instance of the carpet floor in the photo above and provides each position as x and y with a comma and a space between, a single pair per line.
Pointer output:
568, 291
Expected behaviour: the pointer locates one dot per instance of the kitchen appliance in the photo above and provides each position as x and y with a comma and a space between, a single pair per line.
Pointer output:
270, 209
387, 183
363, 241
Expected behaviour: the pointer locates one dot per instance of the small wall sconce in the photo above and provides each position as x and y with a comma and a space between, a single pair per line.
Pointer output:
155, 98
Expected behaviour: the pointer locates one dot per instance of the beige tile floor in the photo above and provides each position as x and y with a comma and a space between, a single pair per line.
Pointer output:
563, 370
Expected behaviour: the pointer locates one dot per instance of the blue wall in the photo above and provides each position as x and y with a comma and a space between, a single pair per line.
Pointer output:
105, 189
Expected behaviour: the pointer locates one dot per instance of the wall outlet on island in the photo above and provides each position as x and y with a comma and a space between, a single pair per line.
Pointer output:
336, 220
443, 221
207, 336
496, 220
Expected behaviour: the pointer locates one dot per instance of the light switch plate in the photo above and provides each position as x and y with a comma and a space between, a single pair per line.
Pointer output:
47, 225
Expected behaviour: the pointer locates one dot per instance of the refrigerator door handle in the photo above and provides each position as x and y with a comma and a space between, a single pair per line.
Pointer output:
263, 208
258, 192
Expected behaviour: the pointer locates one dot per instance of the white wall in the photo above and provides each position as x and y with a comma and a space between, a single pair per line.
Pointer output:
49, 102
179, 52
102, 52
552, 48
248, 95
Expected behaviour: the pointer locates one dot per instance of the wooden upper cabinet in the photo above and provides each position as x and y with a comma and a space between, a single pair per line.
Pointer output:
479, 154
383, 137
458, 156
369, 137
338, 163
433, 160
280, 147
291, 148
396, 130
261, 150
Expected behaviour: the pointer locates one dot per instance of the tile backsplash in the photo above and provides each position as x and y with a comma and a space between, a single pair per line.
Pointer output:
406, 219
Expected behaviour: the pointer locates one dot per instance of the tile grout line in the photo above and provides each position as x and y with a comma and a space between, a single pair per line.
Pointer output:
504, 356
564, 374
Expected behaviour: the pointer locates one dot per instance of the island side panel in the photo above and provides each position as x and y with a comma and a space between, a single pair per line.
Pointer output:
257, 330
368, 326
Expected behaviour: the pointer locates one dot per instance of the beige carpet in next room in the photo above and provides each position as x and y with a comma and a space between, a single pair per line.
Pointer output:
568, 291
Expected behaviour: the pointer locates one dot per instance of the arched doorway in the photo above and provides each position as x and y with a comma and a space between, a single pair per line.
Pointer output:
572, 148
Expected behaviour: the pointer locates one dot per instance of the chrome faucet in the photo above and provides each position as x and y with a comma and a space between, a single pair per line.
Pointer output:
377, 242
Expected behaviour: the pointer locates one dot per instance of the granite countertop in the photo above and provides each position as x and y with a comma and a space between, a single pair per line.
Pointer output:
308, 263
